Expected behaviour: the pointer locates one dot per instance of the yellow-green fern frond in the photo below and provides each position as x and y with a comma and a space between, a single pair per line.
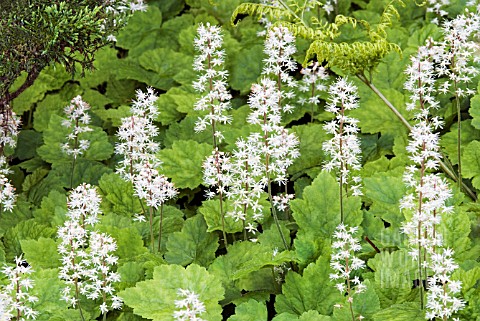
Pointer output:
309, 33
353, 57
259, 10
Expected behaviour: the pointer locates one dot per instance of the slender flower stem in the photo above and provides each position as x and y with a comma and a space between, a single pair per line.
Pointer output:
443, 165
160, 229
275, 217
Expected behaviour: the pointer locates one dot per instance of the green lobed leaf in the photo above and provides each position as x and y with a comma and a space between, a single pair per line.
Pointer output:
223, 267
448, 141
27, 143
310, 291
193, 244
250, 311
385, 121
246, 67
24, 230
319, 210
129, 242
52, 209
41, 253
311, 138
50, 78
407, 311
155, 299
117, 195
53, 104
471, 162
48, 289
141, 32
166, 63
183, 163
393, 277
455, 231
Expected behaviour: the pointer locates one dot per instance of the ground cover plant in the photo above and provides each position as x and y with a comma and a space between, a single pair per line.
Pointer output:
230, 160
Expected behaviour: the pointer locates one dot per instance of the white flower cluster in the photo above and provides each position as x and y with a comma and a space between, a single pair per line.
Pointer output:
456, 52
427, 201
279, 48
87, 256
7, 191
14, 298
344, 262
274, 143
437, 7
312, 83
247, 183
77, 120
442, 289
137, 134
212, 82
153, 187
138, 147
9, 124
344, 148
120, 10
217, 172
190, 307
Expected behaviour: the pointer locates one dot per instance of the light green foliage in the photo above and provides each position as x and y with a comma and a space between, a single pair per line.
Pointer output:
48, 289
310, 291
319, 210
24, 230
449, 140
250, 311
471, 159
117, 195
408, 311
154, 299
193, 244
41, 253
183, 163
393, 277
311, 153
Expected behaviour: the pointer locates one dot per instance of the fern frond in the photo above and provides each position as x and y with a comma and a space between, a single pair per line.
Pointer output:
307, 32
259, 10
353, 57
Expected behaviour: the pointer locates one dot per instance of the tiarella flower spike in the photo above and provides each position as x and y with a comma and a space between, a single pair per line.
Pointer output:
212, 82
77, 121
15, 299
344, 147
137, 135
